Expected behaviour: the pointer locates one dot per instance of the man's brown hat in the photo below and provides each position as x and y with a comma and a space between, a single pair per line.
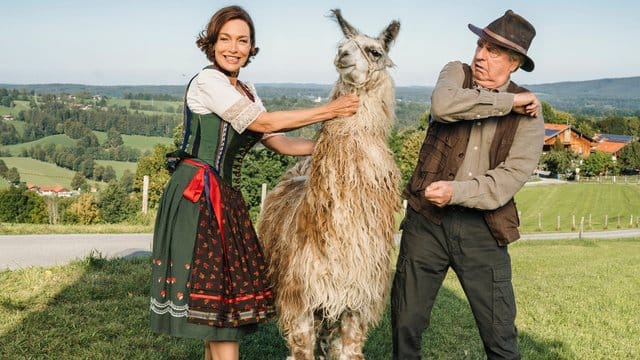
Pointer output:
510, 31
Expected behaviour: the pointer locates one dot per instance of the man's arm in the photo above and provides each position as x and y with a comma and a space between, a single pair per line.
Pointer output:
494, 188
451, 102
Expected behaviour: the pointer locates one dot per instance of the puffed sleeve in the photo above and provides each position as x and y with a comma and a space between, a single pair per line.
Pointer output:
211, 92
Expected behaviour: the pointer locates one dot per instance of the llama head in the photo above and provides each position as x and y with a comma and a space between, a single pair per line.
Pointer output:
360, 57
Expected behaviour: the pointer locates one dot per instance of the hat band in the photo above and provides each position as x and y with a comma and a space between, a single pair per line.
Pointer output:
505, 41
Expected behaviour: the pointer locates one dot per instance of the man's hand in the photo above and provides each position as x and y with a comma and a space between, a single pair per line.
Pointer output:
526, 104
439, 193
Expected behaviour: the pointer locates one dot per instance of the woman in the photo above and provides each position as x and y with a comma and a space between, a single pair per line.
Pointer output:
209, 276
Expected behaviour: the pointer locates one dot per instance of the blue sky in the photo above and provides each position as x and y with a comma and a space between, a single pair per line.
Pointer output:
151, 42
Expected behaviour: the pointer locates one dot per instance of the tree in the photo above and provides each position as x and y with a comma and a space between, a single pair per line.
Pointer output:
78, 181
84, 210
114, 139
126, 180
114, 204
407, 155
13, 176
597, 163
19, 205
108, 174
3, 169
261, 166
558, 162
630, 156
153, 165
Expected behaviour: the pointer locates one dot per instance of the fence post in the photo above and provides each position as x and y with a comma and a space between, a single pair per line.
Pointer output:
606, 222
573, 222
558, 223
581, 227
263, 195
145, 194
539, 221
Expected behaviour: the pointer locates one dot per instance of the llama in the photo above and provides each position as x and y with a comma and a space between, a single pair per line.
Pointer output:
327, 228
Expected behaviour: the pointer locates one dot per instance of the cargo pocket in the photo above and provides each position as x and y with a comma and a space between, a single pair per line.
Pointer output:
504, 306
399, 281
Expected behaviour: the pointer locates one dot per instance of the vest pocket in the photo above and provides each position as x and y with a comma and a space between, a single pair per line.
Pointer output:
432, 160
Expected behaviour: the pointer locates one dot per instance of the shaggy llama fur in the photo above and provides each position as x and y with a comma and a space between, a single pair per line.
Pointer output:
328, 226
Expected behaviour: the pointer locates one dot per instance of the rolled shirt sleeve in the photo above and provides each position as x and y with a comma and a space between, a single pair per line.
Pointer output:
451, 102
211, 92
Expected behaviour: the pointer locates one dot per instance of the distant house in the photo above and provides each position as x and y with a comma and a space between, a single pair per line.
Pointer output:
57, 190
612, 143
570, 138
7, 117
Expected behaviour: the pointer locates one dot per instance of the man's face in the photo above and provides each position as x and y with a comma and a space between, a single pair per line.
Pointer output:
492, 65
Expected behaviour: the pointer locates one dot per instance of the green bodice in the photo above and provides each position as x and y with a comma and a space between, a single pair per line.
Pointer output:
217, 143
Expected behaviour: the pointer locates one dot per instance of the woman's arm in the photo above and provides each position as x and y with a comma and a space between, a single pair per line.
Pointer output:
268, 122
285, 145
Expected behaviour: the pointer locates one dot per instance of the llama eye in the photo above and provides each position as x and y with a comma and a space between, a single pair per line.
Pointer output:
375, 53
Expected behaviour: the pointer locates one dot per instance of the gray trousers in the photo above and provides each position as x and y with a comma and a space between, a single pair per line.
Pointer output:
464, 243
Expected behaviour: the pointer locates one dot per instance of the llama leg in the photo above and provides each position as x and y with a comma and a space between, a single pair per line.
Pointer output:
327, 335
352, 336
301, 337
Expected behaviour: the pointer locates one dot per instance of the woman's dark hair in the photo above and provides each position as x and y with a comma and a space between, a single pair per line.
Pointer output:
208, 37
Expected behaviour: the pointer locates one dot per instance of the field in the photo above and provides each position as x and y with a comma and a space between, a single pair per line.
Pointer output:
20, 105
119, 166
582, 200
98, 309
41, 173
142, 143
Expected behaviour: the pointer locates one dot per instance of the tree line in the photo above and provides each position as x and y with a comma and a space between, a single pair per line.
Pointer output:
51, 115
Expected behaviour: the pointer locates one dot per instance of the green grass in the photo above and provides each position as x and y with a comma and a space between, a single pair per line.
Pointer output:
159, 107
142, 143
19, 106
119, 166
41, 173
579, 200
22, 229
98, 309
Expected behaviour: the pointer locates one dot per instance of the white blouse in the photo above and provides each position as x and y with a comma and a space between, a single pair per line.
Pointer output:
211, 92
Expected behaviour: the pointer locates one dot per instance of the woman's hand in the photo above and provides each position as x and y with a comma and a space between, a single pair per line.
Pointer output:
345, 105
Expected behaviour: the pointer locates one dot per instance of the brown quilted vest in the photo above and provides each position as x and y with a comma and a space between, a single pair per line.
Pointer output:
441, 155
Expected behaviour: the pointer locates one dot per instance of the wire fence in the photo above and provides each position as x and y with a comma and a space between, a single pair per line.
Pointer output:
574, 222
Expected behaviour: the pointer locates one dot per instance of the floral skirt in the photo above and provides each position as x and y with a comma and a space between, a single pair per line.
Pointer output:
206, 283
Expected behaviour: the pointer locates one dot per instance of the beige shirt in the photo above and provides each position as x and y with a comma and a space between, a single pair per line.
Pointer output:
476, 186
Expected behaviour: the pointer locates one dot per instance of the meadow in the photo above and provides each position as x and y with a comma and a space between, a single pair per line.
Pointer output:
541, 205
140, 142
576, 300
41, 173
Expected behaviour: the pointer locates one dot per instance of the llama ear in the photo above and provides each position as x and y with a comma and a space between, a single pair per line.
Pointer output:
348, 30
389, 34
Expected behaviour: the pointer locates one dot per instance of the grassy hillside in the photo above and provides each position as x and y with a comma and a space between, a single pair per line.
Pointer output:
99, 309
581, 200
119, 166
19, 106
40, 173
142, 143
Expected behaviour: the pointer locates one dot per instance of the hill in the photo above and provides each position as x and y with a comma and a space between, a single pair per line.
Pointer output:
620, 88
142, 143
40, 173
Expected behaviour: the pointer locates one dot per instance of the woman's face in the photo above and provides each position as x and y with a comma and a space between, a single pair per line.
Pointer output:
233, 45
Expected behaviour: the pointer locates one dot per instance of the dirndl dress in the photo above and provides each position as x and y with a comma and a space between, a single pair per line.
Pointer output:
208, 269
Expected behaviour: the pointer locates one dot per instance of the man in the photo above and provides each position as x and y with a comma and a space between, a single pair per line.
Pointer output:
484, 140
